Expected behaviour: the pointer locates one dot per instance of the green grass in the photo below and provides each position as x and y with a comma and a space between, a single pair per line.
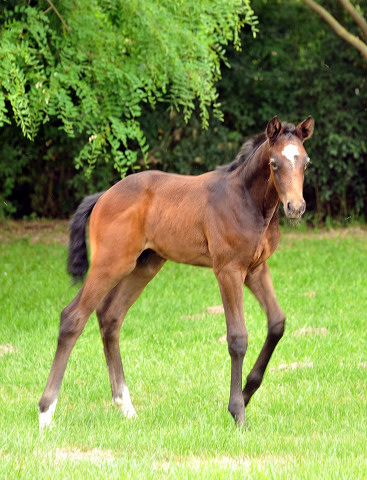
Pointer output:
305, 422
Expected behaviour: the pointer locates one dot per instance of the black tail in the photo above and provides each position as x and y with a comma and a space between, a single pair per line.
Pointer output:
78, 257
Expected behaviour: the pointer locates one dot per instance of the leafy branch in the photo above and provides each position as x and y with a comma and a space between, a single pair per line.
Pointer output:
52, 7
96, 84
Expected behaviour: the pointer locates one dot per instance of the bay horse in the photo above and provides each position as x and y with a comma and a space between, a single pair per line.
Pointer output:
226, 219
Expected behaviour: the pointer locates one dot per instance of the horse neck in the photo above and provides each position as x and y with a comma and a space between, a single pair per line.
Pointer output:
258, 183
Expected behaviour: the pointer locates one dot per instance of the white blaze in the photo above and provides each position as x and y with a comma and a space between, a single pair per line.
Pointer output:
290, 151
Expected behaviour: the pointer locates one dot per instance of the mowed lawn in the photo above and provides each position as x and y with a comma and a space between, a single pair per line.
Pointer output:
307, 421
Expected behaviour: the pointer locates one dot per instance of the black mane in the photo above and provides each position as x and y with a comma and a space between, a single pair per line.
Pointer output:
250, 146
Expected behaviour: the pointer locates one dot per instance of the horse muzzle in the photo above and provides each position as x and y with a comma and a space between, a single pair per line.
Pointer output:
295, 209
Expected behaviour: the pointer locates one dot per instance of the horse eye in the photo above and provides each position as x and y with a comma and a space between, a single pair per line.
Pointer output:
308, 161
273, 164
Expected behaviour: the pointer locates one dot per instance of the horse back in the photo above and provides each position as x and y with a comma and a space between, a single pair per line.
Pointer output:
165, 211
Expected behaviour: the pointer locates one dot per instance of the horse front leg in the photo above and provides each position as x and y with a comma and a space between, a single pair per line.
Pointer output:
261, 285
231, 288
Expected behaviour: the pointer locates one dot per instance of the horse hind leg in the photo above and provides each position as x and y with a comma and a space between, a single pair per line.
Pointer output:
73, 319
72, 323
111, 313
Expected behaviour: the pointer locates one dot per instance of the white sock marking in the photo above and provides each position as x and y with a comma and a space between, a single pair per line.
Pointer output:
45, 418
125, 404
290, 151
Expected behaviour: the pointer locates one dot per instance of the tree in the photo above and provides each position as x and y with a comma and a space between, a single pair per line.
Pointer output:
339, 29
93, 65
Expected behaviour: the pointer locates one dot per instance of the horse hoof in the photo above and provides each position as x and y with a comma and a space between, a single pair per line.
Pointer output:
241, 423
128, 411
244, 426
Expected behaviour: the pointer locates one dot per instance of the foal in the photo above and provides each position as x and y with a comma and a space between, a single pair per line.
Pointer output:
226, 219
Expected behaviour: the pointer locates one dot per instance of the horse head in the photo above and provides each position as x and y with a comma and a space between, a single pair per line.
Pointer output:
288, 161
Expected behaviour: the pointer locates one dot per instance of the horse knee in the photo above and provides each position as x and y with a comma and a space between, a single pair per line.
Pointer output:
237, 345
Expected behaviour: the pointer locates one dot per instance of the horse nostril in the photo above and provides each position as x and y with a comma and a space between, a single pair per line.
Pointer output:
295, 209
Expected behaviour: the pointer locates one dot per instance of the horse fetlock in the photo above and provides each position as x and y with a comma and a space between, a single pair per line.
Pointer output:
276, 328
124, 404
46, 414
253, 382
237, 409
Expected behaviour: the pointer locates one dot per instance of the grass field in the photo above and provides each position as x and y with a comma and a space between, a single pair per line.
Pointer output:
307, 421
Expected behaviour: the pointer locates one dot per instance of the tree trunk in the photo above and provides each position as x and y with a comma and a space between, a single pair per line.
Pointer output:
357, 17
338, 28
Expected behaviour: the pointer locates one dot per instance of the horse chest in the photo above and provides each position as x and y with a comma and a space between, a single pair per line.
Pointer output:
266, 246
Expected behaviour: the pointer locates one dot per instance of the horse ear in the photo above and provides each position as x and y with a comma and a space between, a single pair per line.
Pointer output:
305, 128
273, 129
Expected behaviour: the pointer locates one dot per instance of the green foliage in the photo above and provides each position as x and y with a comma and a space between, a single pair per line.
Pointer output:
94, 64
39, 178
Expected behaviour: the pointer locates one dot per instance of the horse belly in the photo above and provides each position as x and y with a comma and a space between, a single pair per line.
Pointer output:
179, 238
180, 250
